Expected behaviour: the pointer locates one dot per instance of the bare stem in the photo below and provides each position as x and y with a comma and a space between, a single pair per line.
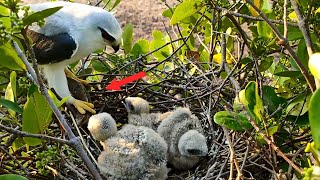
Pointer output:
285, 44
76, 143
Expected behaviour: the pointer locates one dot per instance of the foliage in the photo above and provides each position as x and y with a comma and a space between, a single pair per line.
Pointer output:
223, 60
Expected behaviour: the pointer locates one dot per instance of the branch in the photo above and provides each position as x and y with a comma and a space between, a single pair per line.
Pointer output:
274, 146
285, 44
303, 27
225, 11
76, 143
39, 136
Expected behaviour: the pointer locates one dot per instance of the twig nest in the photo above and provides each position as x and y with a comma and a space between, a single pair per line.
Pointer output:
136, 152
183, 133
102, 126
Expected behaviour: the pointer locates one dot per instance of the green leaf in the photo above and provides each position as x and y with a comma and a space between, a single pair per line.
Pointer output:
302, 53
314, 118
5, 12
11, 105
232, 120
39, 15
127, 38
264, 30
12, 177
140, 47
11, 91
185, 9
272, 100
36, 115
292, 74
294, 33
168, 12
265, 64
299, 105
158, 42
115, 4
254, 102
272, 130
267, 6
99, 66
10, 59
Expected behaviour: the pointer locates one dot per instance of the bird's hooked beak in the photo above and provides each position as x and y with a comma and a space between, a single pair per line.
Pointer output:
116, 47
108, 38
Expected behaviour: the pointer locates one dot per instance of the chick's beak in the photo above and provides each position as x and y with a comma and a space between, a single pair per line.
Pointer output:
116, 47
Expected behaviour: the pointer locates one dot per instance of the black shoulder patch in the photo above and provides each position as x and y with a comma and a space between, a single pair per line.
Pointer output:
52, 49
106, 35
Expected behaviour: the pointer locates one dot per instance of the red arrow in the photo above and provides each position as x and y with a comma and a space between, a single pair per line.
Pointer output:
115, 84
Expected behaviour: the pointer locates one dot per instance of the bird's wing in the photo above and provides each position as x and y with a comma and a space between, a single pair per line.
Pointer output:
54, 48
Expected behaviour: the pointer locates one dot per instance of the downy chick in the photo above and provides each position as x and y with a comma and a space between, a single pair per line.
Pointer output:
139, 113
183, 133
102, 126
135, 152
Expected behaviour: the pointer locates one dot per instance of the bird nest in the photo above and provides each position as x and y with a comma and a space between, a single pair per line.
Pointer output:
182, 84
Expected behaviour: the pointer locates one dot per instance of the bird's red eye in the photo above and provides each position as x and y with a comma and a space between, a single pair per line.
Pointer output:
106, 35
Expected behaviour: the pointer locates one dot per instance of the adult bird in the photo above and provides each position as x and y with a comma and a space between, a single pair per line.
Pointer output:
67, 36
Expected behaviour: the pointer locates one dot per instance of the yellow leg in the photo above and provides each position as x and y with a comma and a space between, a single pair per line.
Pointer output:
71, 75
83, 106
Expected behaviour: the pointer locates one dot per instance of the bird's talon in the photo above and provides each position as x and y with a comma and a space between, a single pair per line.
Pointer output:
71, 75
83, 106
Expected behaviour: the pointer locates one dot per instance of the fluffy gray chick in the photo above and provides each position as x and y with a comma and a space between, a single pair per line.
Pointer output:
102, 126
184, 135
136, 152
139, 113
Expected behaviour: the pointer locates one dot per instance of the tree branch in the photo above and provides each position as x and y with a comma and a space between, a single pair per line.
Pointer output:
286, 45
75, 142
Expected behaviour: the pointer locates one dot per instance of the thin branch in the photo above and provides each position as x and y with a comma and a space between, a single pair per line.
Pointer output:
37, 78
225, 11
39, 136
286, 44
16, 161
303, 27
274, 146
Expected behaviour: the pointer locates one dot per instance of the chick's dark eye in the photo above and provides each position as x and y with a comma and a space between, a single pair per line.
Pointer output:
106, 35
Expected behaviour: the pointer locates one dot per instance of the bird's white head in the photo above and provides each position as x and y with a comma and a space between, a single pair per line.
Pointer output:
109, 28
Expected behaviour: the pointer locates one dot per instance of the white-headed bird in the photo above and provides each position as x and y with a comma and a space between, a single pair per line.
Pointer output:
70, 34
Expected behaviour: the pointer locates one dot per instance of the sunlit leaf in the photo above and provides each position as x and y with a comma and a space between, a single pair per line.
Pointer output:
299, 105
127, 38
10, 59
257, 3
254, 102
264, 30
11, 105
12, 177
293, 16
185, 9
39, 15
314, 118
232, 120
36, 115
11, 91
168, 12
272, 130
267, 6
140, 47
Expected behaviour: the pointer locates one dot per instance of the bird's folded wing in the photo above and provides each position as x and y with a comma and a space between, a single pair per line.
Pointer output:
52, 49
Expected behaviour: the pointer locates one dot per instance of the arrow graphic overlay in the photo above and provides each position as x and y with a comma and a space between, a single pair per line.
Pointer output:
116, 84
